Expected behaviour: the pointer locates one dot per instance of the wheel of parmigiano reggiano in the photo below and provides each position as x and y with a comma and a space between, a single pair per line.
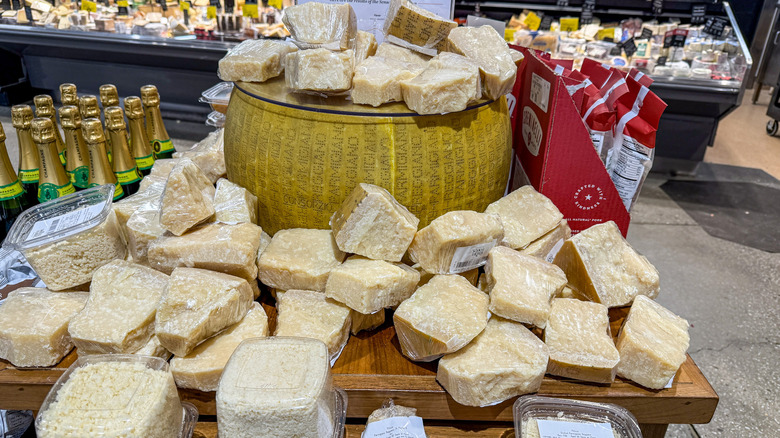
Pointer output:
302, 155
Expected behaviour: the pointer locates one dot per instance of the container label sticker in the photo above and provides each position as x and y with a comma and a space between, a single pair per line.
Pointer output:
128, 176
467, 258
540, 91
568, 429
628, 168
554, 251
65, 221
396, 427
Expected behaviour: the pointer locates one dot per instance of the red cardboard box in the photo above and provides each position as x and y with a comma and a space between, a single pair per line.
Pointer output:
554, 152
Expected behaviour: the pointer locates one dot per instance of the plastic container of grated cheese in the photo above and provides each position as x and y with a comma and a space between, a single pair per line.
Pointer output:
65, 240
116, 395
539, 417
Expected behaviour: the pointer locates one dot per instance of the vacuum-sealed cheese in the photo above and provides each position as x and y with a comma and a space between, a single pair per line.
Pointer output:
422, 30
330, 26
320, 70
188, 199
362, 322
310, 314
489, 50
447, 85
365, 46
255, 60
392, 51
208, 155
234, 204
145, 199
369, 286
527, 215
154, 348
546, 246
378, 80
142, 229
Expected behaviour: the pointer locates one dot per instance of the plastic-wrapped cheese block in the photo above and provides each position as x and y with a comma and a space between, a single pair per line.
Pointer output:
543, 247
299, 258
208, 155
392, 51
145, 199
228, 248
378, 80
422, 30
488, 49
371, 223
113, 397
447, 85
188, 198
652, 344
320, 70
369, 286
197, 305
362, 322
390, 410
440, 318
601, 265
234, 204
457, 241
365, 46
202, 368
309, 314
277, 387
579, 340
472, 276
162, 168
504, 361
330, 26
254, 61
142, 229
154, 348
34, 326
527, 215
148, 182
119, 315
521, 287
265, 240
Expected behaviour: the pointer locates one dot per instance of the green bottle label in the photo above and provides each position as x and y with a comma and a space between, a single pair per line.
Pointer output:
162, 146
128, 176
79, 177
49, 191
11, 191
145, 163
118, 190
63, 157
29, 175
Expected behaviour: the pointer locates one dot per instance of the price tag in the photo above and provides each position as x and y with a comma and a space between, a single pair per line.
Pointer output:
250, 9
680, 35
646, 34
211, 12
532, 21
562, 3
185, 6
697, 14
661, 60
546, 23
509, 35
122, 7
616, 51
586, 16
275, 4
658, 7
604, 34
570, 24
89, 6
715, 26
629, 46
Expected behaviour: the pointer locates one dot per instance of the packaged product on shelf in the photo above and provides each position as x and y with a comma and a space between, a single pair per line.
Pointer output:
202, 368
392, 51
504, 361
279, 387
526, 215
67, 239
599, 50
34, 326
489, 51
394, 419
362, 322
320, 71
188, 198
255, 60
141, 230
441, 317
234, 204
365, 46
119, 315
547, 246
320, 25
378, 80
197, 305
537, 416
155, 349
412, 26
369, 286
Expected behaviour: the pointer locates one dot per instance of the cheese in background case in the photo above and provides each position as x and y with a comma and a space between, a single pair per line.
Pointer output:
447, 85
527, 215
320, 70
234, 204
255, 60
309, 314
371, 223
543, 246
521, 287
369, 286
188, 199
197, 305
422, 30
277, 387
313, 25
202, 368
119, 315
457, 241
299, 258
601, 265
142, 229
652, 344
378, 80
365, 46
440, 318
362, 322
504, 361
579, 340
489, 50
392, 51
34, 326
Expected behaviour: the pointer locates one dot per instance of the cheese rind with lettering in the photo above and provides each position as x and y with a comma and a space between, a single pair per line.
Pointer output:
440, 318
602, 266
362, 322
320, 70
579, 340
330, 26
365, 46
309, 314
527, 215
392, 51
542, 247
141, 229
202, 368
197, 305
255, 60
299, 258
456, 241
652, 344
378, 80
447, 85
371, 223
369, 286
119, 315
188, 198
234, 204
489, 50
521, 287
421, 29
504, 361
34, 326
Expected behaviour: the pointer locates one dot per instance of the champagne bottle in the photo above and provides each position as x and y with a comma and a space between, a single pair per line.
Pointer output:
108, 96
44, 107
54, 182
11, 191
88, 107
155, 128
124, 166
29, 163
139, 141
68, 95
99, 170
78, 162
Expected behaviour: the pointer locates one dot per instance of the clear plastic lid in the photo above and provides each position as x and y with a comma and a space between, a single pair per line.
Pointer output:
602, 417
60, 218
215, 119
218, 96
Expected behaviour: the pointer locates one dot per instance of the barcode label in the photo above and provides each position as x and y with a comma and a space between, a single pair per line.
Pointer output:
540, 91
467, 258
66, 224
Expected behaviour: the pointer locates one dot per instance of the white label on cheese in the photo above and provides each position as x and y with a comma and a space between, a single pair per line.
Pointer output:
669, 385
68, 221
467, 258
568, 429
551, 255
540, 91
396, 427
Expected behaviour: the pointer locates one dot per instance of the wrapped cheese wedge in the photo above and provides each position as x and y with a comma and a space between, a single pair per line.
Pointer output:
378, 80
447, 85
527, 215
365, 46
188, 198
489, 50
320, 71
234, 204
369, 286
314, 25
362, 322
392, 51
420, 29
255, 60
547, 246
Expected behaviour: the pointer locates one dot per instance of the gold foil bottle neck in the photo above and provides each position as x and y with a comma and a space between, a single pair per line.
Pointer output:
115, 118
88, 106
21, 116
2, 133
134, 107
70, 117
92, 130
108, 95
150, 96
68, 94
44, 105
42, 130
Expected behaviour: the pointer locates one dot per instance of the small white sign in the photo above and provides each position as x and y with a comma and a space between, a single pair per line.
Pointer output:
540, 91
569, 429
467, 258
396, 427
